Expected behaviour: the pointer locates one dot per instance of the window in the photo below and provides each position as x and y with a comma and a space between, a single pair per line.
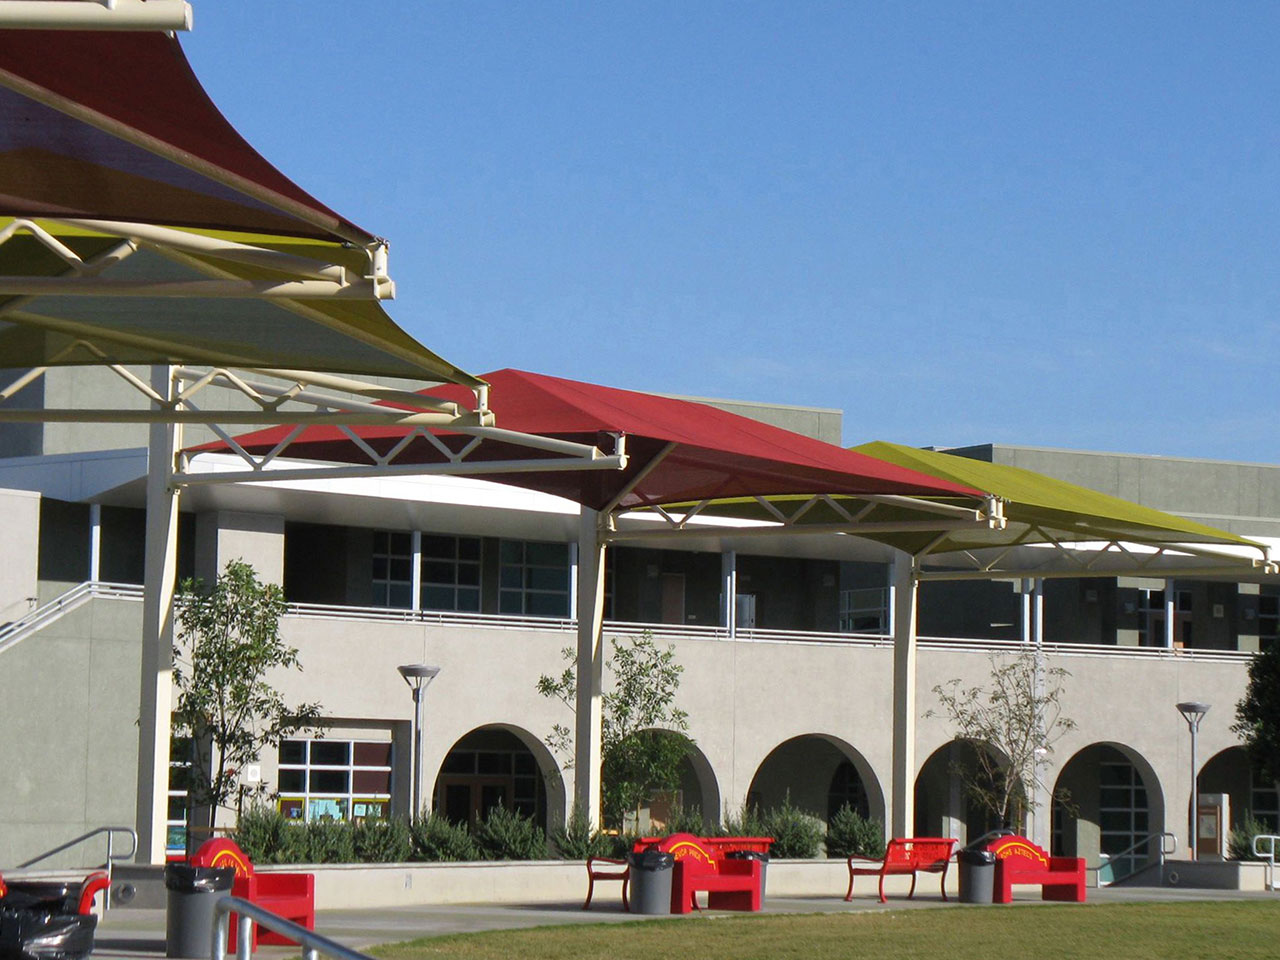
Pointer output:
534, 579
472, 782
392, 569
864, 610
1122, 815
1268, 619
176, 817
335, 779
1151, 618
451, 573
1264, 800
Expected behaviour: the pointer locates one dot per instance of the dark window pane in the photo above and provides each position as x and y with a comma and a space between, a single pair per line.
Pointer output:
469, 574
525, 763
469, 548
459, 763
401, 543
547, 554
400, 595
510, 602
512, 551
440, 547
548, 605
373, 754
495, 762
437, 598
436, 571
542, 578
511, 578
293, 781
401, 568
469, 600
330, 753
329, 781
379, 568
177, 808
293, 751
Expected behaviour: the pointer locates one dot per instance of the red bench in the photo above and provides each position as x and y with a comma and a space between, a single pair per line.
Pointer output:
701, 864
905, 855
288, 895
1018, 860
594, 874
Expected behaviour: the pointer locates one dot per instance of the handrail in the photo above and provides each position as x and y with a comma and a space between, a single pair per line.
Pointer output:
1270, 856
112, 856
1166, 839
310, 942
55, 609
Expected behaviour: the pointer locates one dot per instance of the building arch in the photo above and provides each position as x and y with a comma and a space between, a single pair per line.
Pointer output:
1107, 798
816, 770
698, 791
1231, 772
944, 807
499, 764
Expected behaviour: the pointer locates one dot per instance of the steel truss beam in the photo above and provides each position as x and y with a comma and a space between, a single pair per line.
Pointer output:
159, 15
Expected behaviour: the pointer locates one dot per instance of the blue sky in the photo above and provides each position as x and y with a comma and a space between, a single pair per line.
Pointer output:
1023, 223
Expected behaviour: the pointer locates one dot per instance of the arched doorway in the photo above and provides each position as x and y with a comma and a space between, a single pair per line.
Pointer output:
1107, 801
693, 804
955, 796
819, 773
1230, 772
499, 765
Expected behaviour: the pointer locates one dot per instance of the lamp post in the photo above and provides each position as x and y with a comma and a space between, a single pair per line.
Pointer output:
1193, 712
418, 676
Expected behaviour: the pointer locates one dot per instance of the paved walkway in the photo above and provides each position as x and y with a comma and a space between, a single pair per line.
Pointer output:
126, 933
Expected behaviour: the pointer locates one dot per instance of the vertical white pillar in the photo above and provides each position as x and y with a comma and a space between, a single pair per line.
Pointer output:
95, 542
1170, 615
729, 592
415, 570
590, 610
904, 696
891, 601
1024, 598
573, 579
159, 573
1041, 793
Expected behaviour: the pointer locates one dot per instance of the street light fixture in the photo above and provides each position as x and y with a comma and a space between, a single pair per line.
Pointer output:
418, 676
1193, 712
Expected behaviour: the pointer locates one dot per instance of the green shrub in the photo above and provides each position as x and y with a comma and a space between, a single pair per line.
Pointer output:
744, 822
851, 835
576, 840
1240, 841
620, 844
435, 838
796, 834
262, 832
327, 841
506, 835
685, 820
381, 841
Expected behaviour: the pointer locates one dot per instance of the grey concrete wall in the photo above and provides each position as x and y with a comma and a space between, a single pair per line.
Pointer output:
70, 745
255, 538
20, 521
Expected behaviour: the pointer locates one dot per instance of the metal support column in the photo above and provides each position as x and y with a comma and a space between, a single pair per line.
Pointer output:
159, 575
95, 542
729, 592
1170, 615
590, 611
415, 571
905, 595
1041, 794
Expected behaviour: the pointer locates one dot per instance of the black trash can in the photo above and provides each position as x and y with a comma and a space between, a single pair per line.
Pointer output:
651, 874
753, 855
192, 895
977, 875
33, 930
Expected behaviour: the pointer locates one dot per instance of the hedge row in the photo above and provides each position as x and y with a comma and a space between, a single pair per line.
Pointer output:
268, 837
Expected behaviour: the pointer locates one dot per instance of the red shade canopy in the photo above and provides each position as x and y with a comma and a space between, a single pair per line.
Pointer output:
712, 453
116, 126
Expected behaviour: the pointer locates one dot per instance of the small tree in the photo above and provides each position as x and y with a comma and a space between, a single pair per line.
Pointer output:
1258, 713
228, 640
1012, 725
637, 758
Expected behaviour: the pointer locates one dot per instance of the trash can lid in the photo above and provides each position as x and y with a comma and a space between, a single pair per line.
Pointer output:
975, 858
184, 878
651, 860
747, 855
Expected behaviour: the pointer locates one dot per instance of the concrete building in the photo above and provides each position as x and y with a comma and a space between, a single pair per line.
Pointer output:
794, 699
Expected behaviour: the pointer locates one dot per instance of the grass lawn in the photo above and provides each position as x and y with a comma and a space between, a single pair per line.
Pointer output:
1160, 931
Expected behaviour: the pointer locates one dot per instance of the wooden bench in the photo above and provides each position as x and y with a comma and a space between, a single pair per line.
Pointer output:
702, 866
1018, 860
905, 855
288, 895
594, 874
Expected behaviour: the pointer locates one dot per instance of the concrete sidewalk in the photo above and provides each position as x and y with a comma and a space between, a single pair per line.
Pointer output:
126, 933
